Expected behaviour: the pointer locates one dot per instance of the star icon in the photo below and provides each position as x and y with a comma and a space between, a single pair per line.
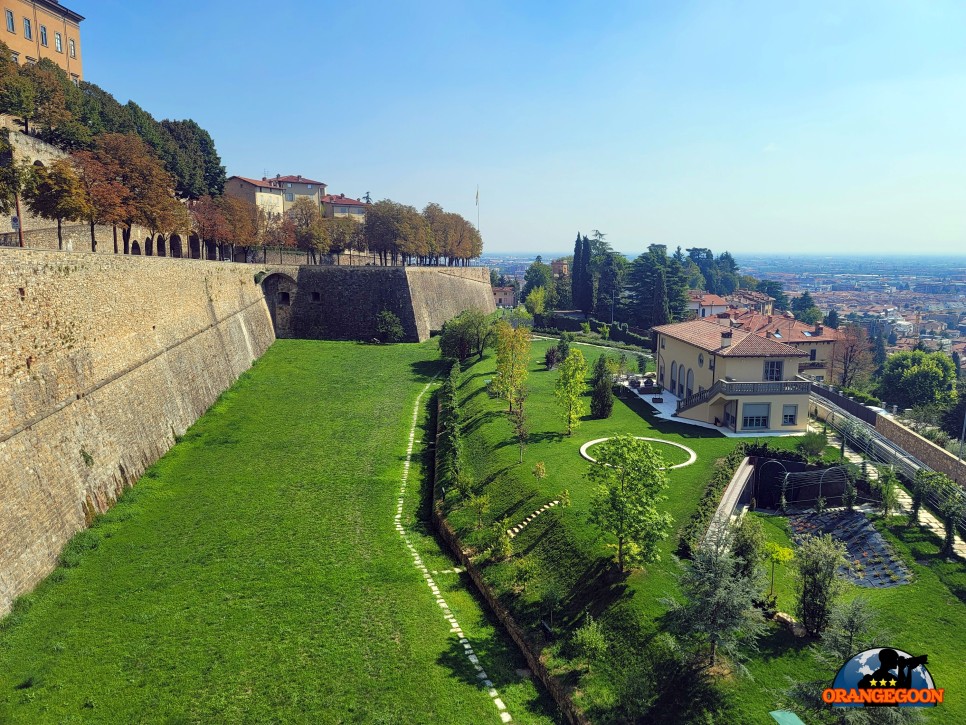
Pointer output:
892, 682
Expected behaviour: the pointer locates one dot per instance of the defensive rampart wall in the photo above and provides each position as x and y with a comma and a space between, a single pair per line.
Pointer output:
104, 360
323, 302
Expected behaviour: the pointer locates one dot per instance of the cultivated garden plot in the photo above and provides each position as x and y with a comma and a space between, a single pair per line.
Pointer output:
871, 561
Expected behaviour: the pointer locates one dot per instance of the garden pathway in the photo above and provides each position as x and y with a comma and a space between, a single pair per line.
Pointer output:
430, 582
512, 532
926, 518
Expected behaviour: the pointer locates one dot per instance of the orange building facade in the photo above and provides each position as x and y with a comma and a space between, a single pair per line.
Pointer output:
37, 29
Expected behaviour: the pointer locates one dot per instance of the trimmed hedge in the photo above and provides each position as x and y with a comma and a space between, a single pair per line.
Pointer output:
697, 526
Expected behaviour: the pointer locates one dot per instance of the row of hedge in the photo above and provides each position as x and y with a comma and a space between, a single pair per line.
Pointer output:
617, 331
449, 440
724, 470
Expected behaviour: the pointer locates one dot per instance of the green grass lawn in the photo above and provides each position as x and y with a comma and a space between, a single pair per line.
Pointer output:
254, 574
565, 548
927, 616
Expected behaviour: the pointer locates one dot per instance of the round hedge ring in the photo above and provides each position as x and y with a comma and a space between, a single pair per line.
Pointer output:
692, 456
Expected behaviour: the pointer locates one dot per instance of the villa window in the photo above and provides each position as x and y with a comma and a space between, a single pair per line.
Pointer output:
28, 31
755, 415
73, 48
58, 43
773, 370
789, 415
43, 35
812, 354
662, 342
289, 196
10, 23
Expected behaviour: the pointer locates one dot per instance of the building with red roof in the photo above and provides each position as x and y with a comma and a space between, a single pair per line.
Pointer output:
731, 377
340, 205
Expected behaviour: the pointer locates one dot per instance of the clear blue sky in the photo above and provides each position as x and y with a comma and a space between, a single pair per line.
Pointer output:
748, 126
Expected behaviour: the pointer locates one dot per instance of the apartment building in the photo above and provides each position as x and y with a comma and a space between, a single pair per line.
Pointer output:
266, 194
37, 29
340, 205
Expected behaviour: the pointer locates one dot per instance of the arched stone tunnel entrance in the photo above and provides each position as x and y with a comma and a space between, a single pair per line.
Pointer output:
280, 296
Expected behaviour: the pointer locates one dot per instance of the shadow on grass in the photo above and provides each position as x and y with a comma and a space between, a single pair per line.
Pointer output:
597, 589
425, 370
503, 665
474, 423
645, 411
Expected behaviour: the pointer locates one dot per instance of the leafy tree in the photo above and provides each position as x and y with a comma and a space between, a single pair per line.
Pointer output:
602, 399
18, 98
629, 477
776, 554
551, 357
469, 332
589, 642
106, 196
58, 194
512, 361
748, 546
923, 484
817, 584
951, 508
718, 610
832, 319
952, 419
776, 290
879, 355
479, 505
536, 301
570, 387
563, 346
538, 275
886, 485
918, 378
852, 361
388, 327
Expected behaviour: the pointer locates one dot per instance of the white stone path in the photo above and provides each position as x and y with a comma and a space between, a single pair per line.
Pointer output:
418, 563
512, 532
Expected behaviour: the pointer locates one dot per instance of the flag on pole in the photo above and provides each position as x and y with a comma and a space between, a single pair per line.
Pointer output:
477, 194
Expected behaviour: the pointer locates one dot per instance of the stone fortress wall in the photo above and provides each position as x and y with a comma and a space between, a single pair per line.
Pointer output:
329, 302
103, 361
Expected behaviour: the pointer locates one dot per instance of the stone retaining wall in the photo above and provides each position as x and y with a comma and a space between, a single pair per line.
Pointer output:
104, 360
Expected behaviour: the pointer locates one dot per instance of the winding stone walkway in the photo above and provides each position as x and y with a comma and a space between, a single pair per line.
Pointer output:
455, 628
512, 532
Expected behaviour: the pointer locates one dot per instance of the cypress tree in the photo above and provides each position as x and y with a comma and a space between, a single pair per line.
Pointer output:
586, 279
575, 282
662, 313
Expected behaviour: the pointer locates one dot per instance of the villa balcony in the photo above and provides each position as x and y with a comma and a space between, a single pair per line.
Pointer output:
729, 389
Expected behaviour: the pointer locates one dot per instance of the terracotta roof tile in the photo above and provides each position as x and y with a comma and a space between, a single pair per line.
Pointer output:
707, 335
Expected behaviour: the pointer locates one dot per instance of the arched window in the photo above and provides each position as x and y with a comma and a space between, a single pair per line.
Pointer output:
160, 246
174, 245
674, 377
149, 247
690, 388
661, 378
135, 248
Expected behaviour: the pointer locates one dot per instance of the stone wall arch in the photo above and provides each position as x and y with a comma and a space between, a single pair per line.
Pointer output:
281, 294
161, 246
174, 246
149, 247
136, 247
194, 247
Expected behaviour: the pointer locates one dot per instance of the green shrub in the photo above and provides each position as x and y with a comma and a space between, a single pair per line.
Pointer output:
694, 531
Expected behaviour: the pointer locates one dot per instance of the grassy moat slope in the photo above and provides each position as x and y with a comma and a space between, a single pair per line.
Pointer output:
254, 573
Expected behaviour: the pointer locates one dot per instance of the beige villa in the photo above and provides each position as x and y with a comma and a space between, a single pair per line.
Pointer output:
732, 378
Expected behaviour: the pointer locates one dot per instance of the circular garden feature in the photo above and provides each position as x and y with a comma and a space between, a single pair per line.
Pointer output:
678, 455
